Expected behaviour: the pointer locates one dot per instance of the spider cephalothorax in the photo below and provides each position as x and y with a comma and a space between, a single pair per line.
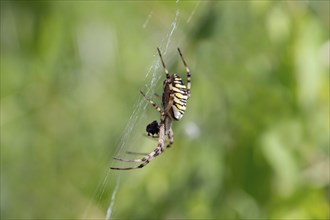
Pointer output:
174, 99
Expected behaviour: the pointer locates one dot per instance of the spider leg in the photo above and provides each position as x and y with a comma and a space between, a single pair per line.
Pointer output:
145, 160
158, 96
135, 160
170, 138
152, 103
188, 73
136, 153
168, 81
168, 77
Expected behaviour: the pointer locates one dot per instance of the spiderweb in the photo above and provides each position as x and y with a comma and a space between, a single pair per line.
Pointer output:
152, 77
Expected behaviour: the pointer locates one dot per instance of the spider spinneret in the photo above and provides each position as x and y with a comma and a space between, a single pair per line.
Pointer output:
174, 103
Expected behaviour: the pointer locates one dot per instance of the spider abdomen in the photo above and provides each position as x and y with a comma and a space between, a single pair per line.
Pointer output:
180, 97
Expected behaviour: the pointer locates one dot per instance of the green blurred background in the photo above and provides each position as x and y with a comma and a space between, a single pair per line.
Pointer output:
254, 142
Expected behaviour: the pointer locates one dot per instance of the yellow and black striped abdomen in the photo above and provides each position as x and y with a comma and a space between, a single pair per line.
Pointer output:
180, 97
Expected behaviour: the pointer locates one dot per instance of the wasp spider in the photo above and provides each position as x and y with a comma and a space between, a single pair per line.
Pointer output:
174, 99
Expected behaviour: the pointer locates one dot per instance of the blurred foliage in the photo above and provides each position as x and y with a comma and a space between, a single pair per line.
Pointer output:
254, 142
